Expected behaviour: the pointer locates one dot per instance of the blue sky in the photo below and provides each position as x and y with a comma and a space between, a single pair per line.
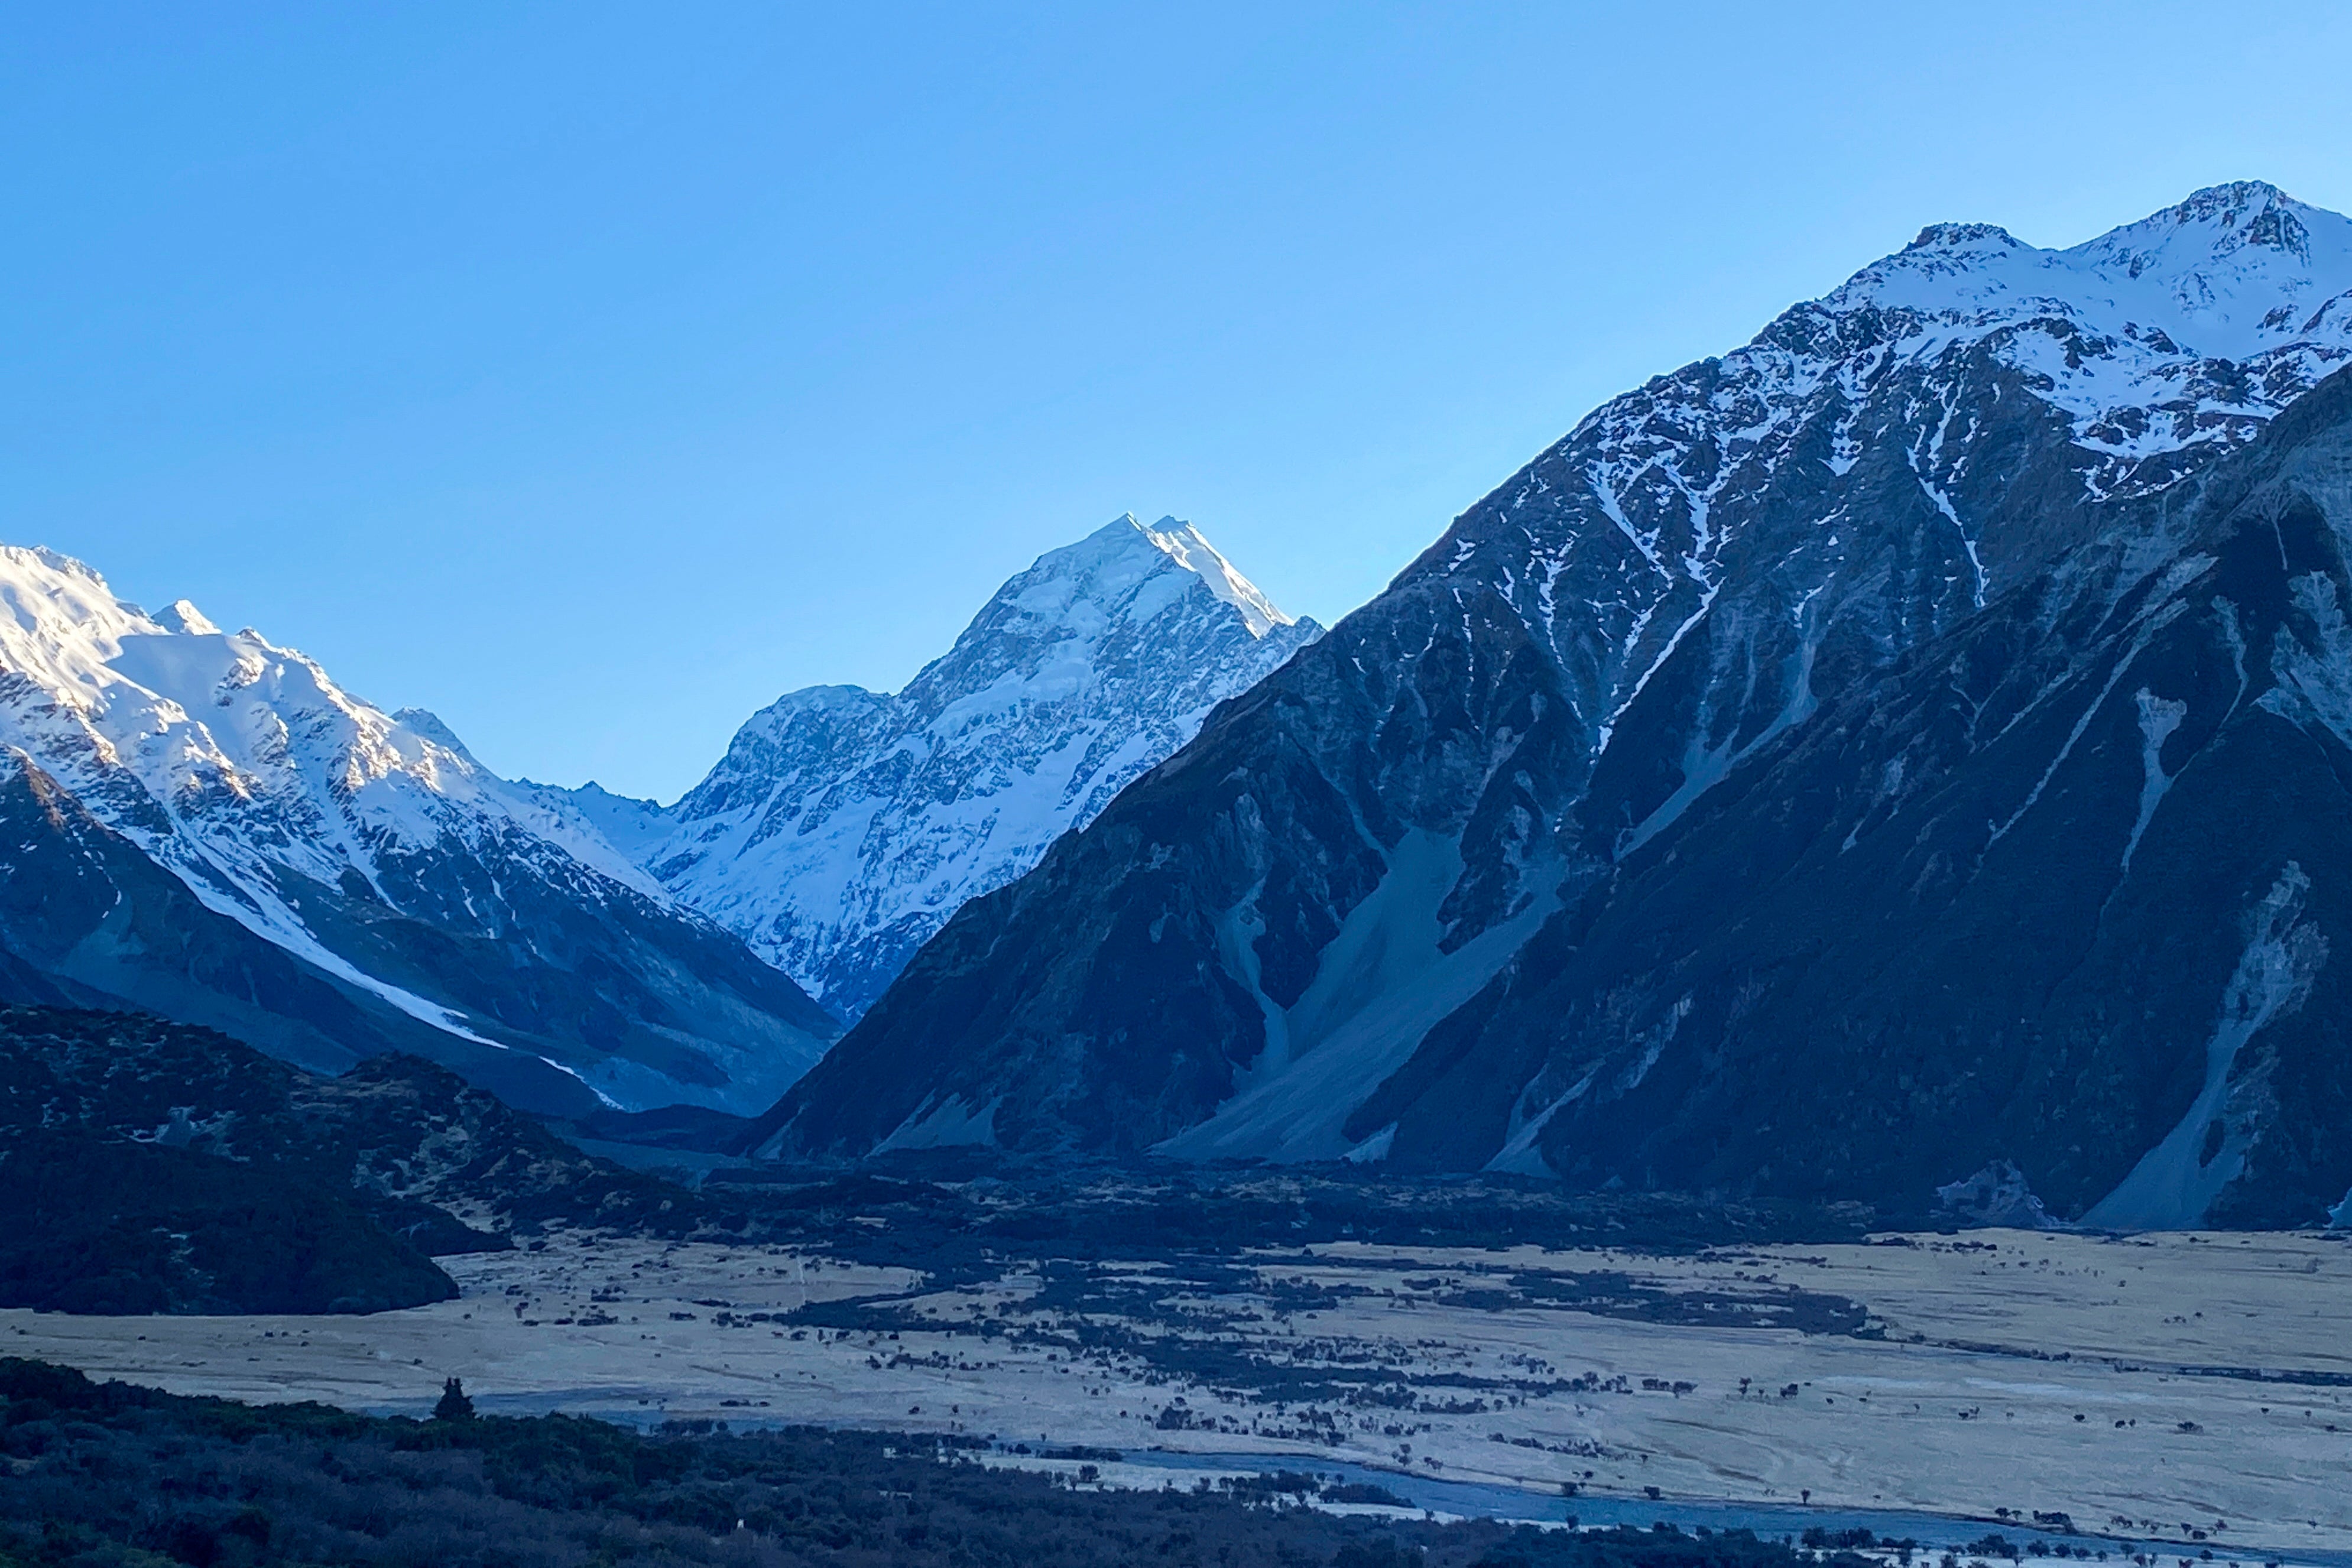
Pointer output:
592, 374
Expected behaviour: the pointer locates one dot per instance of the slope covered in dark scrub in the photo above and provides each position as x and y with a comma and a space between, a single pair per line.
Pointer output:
89, 1224
154, 1166
110, 1475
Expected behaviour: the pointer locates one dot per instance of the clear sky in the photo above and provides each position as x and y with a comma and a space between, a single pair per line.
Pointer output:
592, 374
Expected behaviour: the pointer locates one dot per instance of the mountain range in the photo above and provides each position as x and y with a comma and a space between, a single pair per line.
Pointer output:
1902, 759
204, 825
211, 829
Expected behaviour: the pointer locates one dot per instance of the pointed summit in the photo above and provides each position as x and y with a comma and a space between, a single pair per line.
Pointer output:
1962, 237
1153, 550
1189, 547
2250, 213
2233, 271
2233, 202
844, 827
183, 616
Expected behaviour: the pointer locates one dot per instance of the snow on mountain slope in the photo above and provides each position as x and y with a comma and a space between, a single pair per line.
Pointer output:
844, 827
2157, 343
332, 830
625, 823
2054, 909
2191, 326
1649, 605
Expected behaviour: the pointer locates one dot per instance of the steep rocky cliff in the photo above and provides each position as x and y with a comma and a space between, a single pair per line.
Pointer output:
1388, 904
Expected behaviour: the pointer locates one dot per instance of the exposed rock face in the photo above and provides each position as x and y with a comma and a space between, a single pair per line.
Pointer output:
1505, 869
205, 824
2061, 891
844, 827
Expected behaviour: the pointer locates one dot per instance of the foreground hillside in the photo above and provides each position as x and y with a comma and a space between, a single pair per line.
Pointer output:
147, 1166
109, 1476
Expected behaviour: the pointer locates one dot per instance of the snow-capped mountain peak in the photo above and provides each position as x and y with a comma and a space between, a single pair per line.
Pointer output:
844, 826
279, 798
61, 622
182, 616
2218, 222
1281, 945
1962, 237
1189, 548
203, 719
1123, 572
2157, 346
2231, 272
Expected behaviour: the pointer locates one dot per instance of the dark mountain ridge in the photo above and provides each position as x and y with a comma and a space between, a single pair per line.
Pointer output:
1389, 906
2057, 894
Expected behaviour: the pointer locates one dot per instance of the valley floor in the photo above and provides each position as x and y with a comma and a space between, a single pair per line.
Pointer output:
2190, 1388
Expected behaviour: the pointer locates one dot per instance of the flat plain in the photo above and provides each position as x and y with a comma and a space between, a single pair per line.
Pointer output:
2194, 1389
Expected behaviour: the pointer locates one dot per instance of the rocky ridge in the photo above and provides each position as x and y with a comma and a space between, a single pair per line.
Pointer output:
336, 880
1289, 940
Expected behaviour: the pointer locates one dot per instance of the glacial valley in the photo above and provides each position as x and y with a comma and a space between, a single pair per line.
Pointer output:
2188, 1388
